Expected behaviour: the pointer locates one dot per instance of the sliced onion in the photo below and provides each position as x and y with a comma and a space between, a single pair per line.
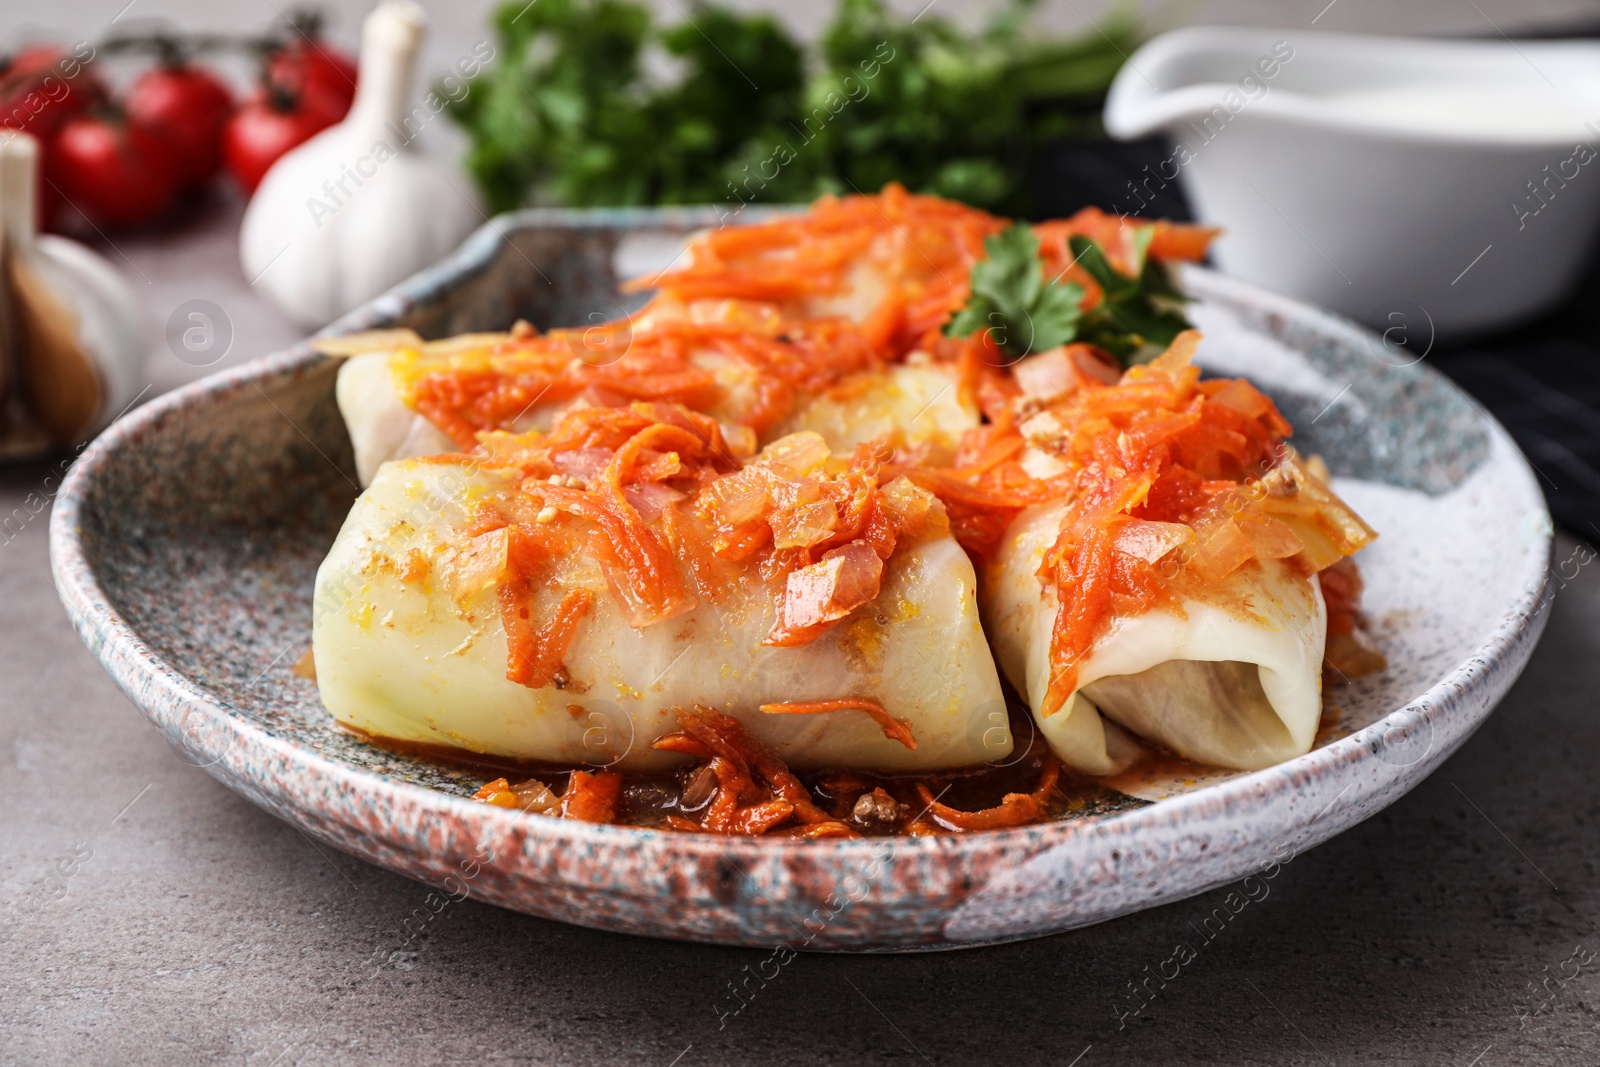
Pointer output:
739, 498
1150, 541
583, 463
828, 590
1047, 375
1242, 397
804, 525
649, 499
908, 503
1326, 526
1178, 355
1271, 538
740, 439
796, 455
1220, 548
533, 795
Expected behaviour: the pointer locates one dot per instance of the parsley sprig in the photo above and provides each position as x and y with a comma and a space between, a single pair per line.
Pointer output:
1010, 297
1138, 316
592, 103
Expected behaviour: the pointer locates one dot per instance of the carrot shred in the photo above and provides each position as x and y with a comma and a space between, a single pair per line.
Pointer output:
756, 791
1017, 809
759, 818
497, 793
894, 729
816, 831
535, 655
592, 796
684, 745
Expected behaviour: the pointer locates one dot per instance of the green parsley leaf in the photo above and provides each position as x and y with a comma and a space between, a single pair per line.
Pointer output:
577, 109
1137, 318
1011, 299
1141, 313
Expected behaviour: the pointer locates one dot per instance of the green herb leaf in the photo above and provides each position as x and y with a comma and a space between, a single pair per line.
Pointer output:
1141, 314
1137, 318
571, 112
1012, 300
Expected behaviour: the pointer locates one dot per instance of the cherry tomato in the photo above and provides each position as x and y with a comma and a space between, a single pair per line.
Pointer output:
113, 170
188, 106
43, 86
321, 76
40, 89
264, 129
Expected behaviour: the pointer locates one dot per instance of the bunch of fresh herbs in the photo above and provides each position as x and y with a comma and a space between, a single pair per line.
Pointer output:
590, 103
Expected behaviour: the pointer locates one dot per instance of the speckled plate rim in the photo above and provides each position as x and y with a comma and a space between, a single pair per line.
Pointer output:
1300, 796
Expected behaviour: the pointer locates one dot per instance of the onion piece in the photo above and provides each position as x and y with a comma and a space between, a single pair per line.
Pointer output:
828, 590
739, 498
1242, 397
1047, 375
805, 525
1151, 541
1272, 538
909, 504
583, 463
795, 455
650, 499
1220, 548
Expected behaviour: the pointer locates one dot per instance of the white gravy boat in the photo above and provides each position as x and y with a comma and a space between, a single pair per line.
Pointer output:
1440, 186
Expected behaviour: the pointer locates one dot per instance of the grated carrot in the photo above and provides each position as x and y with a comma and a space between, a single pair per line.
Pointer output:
894, 729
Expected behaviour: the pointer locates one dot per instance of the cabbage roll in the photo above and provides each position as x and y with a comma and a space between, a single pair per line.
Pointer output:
917, 409
481, 603
1230, 674
1158, 579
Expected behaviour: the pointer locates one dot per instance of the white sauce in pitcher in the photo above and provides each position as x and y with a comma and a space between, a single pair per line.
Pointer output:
1512, 112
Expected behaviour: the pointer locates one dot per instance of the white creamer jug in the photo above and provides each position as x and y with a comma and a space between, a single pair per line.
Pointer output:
1453, 186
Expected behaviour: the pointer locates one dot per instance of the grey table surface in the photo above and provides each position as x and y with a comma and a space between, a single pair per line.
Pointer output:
149, 915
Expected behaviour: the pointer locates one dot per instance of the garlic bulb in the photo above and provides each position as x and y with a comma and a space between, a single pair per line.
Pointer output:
356, 209
75, 340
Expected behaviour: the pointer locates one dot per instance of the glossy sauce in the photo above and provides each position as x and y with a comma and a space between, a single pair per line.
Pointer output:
650, 798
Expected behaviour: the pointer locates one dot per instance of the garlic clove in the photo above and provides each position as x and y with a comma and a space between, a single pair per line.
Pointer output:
356, 209
76, 337
59, 383
110, 327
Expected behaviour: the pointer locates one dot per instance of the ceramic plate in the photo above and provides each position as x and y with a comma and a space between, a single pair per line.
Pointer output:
186, 538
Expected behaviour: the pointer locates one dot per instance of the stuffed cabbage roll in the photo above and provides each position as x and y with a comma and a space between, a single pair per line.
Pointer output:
557, 595
1228, 674
1161, 582
402, 397
830, 320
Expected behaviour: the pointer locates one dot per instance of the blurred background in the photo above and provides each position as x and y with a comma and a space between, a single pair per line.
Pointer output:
601, 102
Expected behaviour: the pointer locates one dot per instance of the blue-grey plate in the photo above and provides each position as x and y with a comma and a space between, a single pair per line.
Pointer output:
185, 541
